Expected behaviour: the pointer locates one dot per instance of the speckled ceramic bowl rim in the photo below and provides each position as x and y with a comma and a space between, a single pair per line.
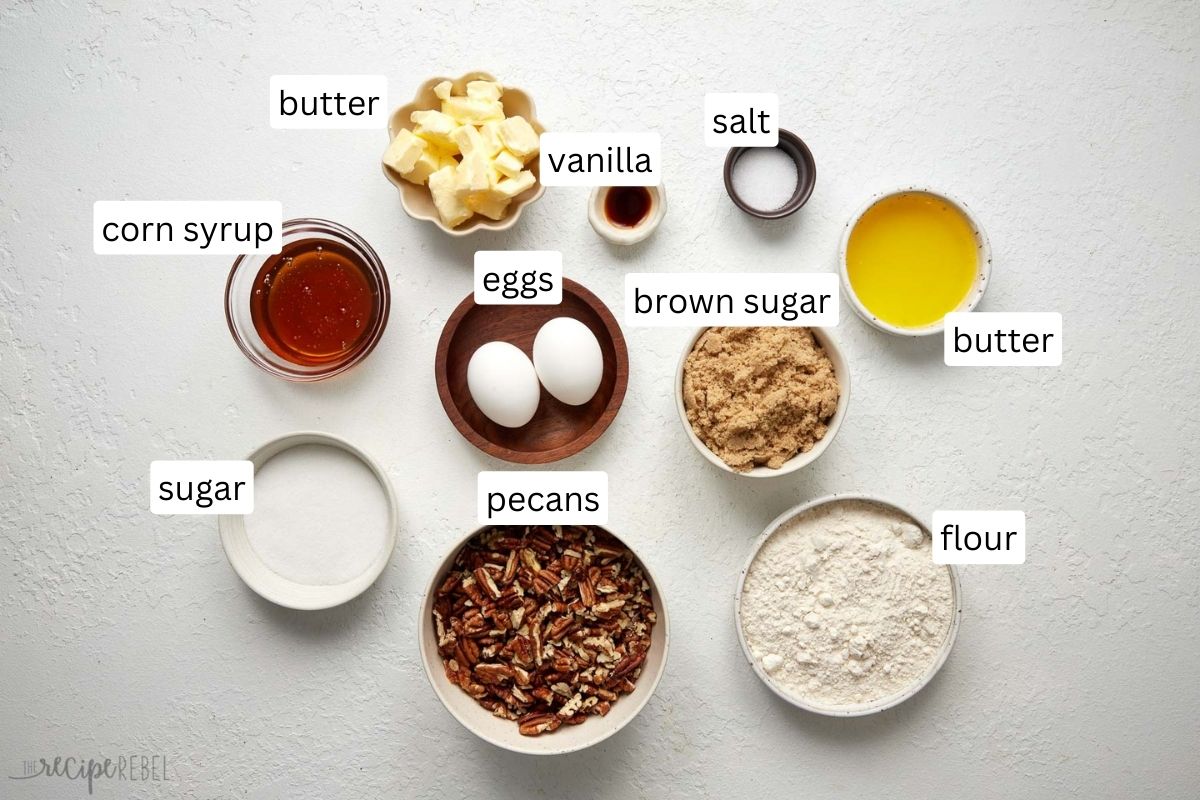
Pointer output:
545, 745
480, 223
798, 461
982, 246
273, 586
875, 706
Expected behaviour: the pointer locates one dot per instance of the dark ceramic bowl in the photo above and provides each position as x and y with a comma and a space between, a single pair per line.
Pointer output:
806, 177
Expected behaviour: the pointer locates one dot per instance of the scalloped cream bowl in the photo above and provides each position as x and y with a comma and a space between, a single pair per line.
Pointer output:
417, 201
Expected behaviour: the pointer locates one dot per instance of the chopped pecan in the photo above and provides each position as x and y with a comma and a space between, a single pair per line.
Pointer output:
544, 625
561, 627
510, 568
494, 673
628, 664
484, 579
538, 723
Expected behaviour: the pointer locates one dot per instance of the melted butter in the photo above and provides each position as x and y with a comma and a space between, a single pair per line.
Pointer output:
912, 259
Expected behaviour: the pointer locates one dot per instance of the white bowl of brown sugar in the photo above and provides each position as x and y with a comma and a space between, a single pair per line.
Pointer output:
762, 402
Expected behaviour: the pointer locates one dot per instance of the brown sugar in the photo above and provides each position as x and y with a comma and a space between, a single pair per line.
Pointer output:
758, 396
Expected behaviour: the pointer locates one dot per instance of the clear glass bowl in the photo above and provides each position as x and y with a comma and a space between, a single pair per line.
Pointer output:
240, 286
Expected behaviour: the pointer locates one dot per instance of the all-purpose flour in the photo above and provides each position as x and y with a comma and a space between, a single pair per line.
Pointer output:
843, 604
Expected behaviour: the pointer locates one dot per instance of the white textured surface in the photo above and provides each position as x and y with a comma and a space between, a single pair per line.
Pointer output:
1072, 130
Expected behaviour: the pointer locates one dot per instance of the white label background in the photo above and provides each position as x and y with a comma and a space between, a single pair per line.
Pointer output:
738, 285
979, 521
1023, 322
298, 86
506, 261
730, 103
545, 483
196, 471
564, 144
179, 213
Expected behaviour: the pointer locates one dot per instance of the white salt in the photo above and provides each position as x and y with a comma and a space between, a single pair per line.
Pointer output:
320, 516
765, 178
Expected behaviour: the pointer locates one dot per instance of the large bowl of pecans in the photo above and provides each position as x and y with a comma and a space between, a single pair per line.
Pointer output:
543, 639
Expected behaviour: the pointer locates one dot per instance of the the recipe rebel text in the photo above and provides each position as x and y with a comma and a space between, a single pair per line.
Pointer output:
186, 227
543, 498
600, 159
201, 487
978, 537
1003, 339
328, 101
740, 119
518, 277
667, 299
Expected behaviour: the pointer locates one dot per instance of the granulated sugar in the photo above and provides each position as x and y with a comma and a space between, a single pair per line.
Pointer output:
320, 516
843, 605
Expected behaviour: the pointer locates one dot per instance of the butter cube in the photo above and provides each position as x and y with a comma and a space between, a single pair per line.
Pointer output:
435, 128
443, 187
507, 164
403, 152
488, 204
490, 132
476, 174
469, 140
519, 137
511, 187
483, 90
429, 162
472, 111
442, 90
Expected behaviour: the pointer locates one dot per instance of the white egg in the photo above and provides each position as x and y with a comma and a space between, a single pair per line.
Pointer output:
504, 384
568, 360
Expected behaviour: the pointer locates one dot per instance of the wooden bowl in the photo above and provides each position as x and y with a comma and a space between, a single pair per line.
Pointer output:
557, 430
417, 201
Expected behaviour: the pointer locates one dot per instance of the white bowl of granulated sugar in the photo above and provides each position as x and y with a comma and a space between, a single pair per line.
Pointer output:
840, 609
323, 526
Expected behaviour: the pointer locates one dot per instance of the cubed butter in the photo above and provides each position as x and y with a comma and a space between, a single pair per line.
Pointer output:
483, 90
435, 128
488, 204
490, 171
469, 140
404, 151
443, 188
476, 173
507, 164
511, 187
490, 133
430, 161
519, 137
471, 111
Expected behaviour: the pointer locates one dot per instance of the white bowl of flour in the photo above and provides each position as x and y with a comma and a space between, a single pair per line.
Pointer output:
840, 609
